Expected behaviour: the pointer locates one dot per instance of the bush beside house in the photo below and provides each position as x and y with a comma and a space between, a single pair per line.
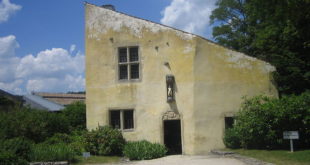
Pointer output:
261, 121
104, 141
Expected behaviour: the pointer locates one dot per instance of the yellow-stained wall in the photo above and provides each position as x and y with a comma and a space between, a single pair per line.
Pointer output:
210, 80
222, 78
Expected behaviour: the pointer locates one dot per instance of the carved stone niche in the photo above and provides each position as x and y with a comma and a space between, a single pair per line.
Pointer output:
170, 115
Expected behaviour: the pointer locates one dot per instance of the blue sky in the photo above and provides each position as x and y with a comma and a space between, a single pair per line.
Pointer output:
42, 42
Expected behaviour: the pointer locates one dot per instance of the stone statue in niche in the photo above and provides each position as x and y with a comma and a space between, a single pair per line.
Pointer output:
170, 88
169, 91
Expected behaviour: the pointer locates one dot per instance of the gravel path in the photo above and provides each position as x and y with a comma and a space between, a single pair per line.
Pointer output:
186, 160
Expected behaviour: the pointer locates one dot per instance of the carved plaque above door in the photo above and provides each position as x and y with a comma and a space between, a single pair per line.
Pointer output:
170, 115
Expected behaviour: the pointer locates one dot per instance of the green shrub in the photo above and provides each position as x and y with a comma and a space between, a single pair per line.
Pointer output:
9, 158
55, 152
58, 138
19, 147
141, 150
78, 142
75, 114
36, 125
262, 120
75, 141
104, 141
231, 138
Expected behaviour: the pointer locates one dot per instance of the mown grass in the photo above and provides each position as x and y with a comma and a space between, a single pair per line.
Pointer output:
96, 160
278, 157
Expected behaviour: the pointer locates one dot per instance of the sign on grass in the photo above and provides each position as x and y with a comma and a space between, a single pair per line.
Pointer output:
86, 154
290, 135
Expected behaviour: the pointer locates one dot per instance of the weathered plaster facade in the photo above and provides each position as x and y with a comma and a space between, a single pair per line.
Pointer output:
210, 80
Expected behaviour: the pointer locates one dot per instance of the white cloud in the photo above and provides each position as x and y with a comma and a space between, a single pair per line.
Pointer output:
54, 84
51, 70
72, 48
8, 45
8, 61
13, 87
189, 15
7, 9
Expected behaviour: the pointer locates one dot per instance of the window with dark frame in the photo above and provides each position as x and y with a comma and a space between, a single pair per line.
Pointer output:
122, 119
229, 122
115, 119
128, 119
128, 63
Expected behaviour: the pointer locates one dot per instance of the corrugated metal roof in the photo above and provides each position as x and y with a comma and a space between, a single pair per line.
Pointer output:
41, 103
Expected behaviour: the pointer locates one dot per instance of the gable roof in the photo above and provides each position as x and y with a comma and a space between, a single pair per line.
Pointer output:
151, 24
172, 28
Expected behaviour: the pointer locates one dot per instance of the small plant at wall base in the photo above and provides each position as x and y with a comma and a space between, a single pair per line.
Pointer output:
231, 138
143, 150
104, 141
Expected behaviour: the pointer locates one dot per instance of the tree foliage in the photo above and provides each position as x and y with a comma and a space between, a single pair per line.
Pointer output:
36, 125
75, 114
272, 30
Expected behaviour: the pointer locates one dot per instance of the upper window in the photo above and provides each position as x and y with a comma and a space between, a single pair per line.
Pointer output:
128, 63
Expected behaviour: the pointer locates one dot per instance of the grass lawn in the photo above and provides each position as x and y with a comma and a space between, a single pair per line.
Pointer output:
97, 160
279, 157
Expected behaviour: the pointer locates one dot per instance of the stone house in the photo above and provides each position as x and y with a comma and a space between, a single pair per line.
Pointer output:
165, 85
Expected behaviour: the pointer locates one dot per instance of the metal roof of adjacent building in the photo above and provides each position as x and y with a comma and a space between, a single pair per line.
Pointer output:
62, 98
40, 103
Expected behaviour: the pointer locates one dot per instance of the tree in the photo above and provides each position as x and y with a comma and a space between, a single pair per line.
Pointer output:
272, 30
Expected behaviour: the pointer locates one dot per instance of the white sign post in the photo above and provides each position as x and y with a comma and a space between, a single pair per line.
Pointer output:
86, 155
291, 135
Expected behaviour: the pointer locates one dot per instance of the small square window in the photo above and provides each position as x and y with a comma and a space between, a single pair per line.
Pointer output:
128, 63
229, 122
123, 72
128, 119
122, 52
133, 53
122, 119
115, 120
134, 71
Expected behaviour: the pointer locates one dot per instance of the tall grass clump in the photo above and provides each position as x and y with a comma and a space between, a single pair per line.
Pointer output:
144, 150
56, 152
